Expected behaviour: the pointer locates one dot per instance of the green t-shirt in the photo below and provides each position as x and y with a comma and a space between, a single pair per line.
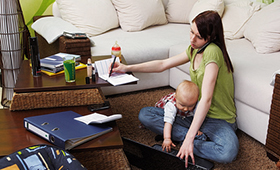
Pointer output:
222, 106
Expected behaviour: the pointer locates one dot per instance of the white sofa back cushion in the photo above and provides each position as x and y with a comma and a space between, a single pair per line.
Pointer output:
263, 29
178, 10
235, 17
204, 5
135, 15
93, 17
55, 10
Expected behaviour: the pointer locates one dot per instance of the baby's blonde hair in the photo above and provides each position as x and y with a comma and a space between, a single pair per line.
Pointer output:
188, 90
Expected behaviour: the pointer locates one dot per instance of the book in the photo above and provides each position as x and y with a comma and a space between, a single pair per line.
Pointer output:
96, 118
102, 67
54, 63
49, 73
62, 130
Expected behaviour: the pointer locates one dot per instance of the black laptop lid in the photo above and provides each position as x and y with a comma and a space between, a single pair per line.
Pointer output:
147, 157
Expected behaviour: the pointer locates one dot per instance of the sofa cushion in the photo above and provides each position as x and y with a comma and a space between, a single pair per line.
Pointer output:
149, 44
252, 74
204, 5
93, 17
135, 15
55, 10
236, 16
51, 28
178, 10
152, 43
263, 30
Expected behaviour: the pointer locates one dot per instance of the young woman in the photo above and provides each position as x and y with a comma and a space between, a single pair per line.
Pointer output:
211, 70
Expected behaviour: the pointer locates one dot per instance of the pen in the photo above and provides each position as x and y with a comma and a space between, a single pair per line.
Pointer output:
112, 66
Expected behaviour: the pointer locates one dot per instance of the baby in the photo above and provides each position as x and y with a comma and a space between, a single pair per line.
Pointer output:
180, 103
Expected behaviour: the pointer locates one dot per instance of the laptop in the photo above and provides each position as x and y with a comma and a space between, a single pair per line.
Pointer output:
152, 157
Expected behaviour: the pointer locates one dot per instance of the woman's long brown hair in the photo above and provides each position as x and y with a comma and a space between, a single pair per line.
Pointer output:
210, 27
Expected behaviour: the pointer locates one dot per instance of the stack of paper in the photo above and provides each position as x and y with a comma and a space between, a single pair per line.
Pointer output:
102, 67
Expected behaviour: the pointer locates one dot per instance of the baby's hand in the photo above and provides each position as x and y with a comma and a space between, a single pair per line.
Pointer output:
166, 145
199, 133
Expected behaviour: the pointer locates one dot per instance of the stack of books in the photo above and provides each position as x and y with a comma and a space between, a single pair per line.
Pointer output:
53, 64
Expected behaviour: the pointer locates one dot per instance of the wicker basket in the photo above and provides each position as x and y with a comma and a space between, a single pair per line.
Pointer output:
104, 159
75, 46
273, 134
26, 101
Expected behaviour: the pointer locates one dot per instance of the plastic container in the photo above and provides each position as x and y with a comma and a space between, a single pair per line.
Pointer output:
116, 50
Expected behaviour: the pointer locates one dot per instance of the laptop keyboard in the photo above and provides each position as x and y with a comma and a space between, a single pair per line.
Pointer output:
174, 153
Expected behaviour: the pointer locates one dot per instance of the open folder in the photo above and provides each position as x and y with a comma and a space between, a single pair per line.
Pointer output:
102, 67
63, 130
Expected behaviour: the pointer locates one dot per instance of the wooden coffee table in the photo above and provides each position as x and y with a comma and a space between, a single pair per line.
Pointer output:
53, 91
15, 137
27, 83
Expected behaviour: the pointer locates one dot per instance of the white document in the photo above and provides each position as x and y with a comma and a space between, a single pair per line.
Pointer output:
102, 67
98, 118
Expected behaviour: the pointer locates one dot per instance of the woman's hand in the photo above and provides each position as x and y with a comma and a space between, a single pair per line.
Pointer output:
186, 150
166, 145
118, 67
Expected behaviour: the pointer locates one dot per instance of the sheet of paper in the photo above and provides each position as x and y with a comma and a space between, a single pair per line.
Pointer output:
102, 67
121, 79
98, 118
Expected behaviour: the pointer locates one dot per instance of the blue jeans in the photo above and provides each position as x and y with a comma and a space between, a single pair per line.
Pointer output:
221, 147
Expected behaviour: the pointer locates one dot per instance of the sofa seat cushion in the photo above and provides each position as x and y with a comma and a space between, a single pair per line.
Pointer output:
149, 44
252, 72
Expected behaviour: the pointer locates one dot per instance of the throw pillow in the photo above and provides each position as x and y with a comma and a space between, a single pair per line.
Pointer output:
236, 16
178, 10
51, 28
135, 15
93, 17
204, 5
263, 29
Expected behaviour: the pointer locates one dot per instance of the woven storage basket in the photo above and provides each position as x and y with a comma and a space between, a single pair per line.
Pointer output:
104, 159
273, 134
49, 99
75, 46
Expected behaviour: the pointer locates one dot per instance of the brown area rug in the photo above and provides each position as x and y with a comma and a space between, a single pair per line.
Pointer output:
252, 154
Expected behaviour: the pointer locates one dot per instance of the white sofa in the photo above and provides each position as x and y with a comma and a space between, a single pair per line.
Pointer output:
255, 55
